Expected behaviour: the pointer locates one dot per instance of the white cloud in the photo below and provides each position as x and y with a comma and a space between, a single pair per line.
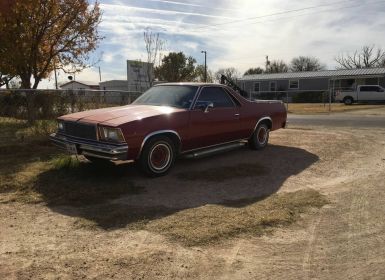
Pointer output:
192, 26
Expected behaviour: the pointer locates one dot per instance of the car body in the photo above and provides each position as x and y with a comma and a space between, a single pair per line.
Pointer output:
363, 93
186, 117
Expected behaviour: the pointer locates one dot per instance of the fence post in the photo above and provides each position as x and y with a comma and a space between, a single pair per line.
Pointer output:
287, 101
330, 101
31, 114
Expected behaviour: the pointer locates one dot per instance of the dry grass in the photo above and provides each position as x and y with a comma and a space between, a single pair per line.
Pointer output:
212, 223
319, 108
36, 171
207, 224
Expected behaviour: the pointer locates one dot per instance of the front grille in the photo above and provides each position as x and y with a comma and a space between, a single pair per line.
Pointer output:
81, 130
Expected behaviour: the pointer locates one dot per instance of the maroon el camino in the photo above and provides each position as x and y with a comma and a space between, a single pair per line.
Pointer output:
170, 120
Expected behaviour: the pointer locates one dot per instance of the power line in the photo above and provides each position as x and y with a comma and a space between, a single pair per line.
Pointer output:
286, 12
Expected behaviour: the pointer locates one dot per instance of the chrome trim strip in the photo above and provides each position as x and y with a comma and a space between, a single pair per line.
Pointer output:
215, 145
156, 133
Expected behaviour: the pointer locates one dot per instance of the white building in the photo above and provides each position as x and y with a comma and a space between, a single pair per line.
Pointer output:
140, 75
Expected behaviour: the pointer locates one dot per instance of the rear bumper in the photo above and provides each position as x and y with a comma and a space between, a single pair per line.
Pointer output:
90, 147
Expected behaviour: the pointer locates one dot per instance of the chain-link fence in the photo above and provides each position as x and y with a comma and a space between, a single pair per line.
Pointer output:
34, 105
305, 96
299, 96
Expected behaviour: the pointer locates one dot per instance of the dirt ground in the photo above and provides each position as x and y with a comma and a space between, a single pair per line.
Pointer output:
345, 239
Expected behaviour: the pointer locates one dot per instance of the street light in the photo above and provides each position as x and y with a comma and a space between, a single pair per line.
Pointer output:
205, 52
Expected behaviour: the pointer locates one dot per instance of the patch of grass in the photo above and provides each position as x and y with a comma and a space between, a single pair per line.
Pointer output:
223, 173
35, 170
39, 129
320, 108
69, 181
212, 223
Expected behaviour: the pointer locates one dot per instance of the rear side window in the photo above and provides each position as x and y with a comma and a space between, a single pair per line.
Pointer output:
370, 88
217, 95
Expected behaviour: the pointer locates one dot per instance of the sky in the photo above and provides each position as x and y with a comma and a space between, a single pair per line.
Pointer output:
236, 34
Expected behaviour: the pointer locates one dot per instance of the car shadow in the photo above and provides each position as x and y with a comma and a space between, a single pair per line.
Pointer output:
115, 196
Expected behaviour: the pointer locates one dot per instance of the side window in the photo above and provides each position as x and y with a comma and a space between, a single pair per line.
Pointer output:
273, 86
364, 89
216, 95
256, 87
370, 88
294, 84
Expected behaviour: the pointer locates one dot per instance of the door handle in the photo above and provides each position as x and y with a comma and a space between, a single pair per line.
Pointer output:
237, 115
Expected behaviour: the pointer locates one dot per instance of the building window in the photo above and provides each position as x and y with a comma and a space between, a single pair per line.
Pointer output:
256, 87
294, 84
273, 86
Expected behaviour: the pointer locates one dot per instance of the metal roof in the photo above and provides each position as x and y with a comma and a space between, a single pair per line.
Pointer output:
86, 83
317, 74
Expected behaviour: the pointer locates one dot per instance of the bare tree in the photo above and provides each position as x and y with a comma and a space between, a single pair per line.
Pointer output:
367, 57
154, 45
230, 73
200, 74
277, 66
305, 63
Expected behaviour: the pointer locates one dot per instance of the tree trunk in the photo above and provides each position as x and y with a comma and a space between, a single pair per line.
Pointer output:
25, 81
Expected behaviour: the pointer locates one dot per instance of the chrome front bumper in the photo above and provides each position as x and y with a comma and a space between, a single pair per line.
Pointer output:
90, 147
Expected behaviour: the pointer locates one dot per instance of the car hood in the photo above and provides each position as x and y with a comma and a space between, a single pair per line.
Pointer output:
116, 116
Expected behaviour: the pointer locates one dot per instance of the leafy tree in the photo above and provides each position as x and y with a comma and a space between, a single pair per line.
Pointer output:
367, 57
230, 73
200, 74
38, 36
176, 67
254, 71
305, 63
277, 66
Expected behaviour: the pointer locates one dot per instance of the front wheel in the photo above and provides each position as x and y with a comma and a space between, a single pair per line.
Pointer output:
348, 101
260, 137
158, 156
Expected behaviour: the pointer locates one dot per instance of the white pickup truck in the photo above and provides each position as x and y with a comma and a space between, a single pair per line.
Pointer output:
361, 94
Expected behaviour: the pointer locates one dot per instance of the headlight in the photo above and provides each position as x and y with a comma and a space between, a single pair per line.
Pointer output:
111, 134
60, 125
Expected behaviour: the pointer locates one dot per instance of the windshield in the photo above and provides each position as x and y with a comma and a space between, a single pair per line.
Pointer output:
172, 95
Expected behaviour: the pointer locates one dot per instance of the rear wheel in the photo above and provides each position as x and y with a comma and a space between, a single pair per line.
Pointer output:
158, 156
260, 137
348, 100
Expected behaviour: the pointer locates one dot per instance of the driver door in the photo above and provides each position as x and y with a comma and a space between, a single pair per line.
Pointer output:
216, 125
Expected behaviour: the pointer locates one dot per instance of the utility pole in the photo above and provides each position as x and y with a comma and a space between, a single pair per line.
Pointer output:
100, 75
205, 52
267, 63
55, 78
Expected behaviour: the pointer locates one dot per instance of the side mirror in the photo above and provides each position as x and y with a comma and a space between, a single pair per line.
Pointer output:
209, 105
204, 105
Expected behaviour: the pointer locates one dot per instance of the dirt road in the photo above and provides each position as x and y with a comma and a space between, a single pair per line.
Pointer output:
345, 239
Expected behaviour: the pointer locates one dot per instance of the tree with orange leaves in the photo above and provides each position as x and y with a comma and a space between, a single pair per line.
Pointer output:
37, 36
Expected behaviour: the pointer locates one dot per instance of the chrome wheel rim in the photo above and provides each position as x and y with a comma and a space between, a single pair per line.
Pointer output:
160, 156
262, 135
